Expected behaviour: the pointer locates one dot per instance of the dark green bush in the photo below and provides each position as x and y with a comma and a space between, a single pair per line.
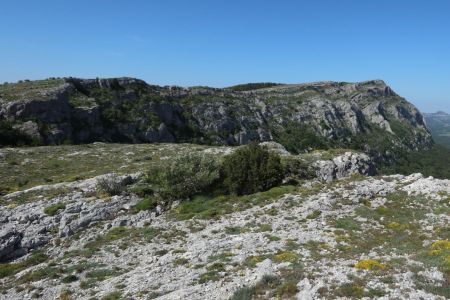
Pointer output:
185, 175
294, 167
297, 138
252, 86
9, 136
252, 169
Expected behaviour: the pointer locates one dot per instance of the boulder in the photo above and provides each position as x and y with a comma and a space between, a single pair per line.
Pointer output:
343, 166
9, 243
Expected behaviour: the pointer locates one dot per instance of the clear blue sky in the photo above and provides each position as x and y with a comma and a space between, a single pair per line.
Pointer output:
221, 43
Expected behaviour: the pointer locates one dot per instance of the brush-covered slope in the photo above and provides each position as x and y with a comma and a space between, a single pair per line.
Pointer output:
439, 124
366, 115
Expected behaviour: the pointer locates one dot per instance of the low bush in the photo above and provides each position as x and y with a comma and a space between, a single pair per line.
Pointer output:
10, 136
186, 175
370, 264
243, 293
295, 167
252, 169
53, 209
147, 203
110, 184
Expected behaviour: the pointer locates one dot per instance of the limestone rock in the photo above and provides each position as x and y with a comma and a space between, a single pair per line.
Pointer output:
344, 165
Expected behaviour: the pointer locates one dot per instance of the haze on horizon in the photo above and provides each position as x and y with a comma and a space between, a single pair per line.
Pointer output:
404, 43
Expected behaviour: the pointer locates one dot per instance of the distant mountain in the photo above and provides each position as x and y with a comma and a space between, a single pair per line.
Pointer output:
439, 125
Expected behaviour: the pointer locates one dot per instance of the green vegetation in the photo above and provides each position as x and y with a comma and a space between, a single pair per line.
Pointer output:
122, 236
13, 268
347, 223
28, 89
110, 185
10, 136
267, 288
185, 175
252, 169
439, 125
147, 203
286, 256
118, 233
297, 138
27, 167
434, 162
116, 295
369, 265
53, 209
252, 86
314, 215
205, 207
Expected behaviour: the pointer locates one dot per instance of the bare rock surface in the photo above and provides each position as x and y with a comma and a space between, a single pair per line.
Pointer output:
344, 165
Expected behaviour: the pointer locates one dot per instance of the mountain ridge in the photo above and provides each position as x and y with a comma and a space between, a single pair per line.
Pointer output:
300, 116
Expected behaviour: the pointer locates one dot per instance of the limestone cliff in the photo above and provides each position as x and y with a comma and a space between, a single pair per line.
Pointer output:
368, 116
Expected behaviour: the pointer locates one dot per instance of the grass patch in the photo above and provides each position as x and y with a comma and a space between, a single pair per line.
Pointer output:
116, 295
287, 256
24, 168
13, 268
145, 204
347, 223
203, 207
145, 234
53, 209
314, 215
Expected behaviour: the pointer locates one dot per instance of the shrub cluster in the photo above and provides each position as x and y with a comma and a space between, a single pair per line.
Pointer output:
111, 185
252, 169
248, 170
9, 136
186, 175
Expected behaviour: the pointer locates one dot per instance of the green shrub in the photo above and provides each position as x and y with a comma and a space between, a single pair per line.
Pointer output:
148, 203
252, 86
110, 184
10, 136
186, 175
8, 269
294, 167
53, 209
252, 169
297, 138
243, 293
69, 279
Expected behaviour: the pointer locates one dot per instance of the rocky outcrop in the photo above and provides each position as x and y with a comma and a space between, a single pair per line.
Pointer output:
344, 166
27, 227
301, 117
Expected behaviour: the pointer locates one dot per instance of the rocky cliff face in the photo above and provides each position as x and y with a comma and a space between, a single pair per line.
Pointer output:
366, 115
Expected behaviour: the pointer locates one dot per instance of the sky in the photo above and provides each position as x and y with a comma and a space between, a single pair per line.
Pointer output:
222, 43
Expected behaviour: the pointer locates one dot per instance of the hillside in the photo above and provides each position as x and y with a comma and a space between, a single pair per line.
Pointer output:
255, 191
367, 116
329, 231
439, 125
